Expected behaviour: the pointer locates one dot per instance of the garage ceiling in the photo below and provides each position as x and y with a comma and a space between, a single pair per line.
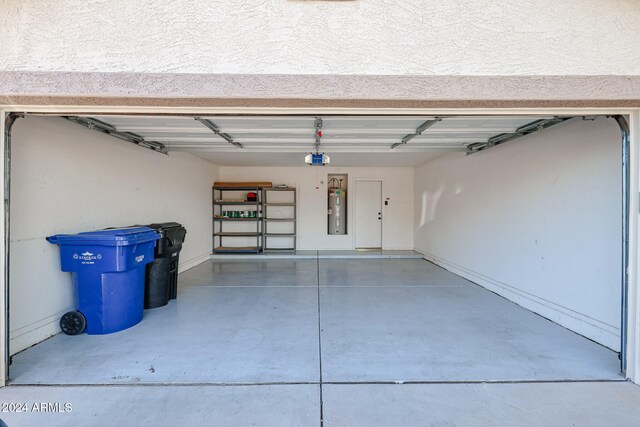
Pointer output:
349, 140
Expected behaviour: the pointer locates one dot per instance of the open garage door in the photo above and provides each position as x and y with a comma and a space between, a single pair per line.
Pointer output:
445, 178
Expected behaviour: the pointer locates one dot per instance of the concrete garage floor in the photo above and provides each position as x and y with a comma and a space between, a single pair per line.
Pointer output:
280, 341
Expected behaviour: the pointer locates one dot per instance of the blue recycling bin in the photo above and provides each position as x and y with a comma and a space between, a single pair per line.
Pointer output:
108, 269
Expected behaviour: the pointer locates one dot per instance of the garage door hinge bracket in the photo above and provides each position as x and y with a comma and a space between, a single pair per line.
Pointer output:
215, 129
528, 129
424, 126
106, 128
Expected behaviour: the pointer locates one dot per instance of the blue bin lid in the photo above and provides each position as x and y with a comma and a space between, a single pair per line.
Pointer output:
113, 237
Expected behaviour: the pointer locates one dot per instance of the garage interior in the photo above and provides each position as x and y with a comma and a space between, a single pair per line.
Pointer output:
499, 255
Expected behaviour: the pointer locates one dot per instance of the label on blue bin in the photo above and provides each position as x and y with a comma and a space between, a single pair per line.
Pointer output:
140, 258
87, 258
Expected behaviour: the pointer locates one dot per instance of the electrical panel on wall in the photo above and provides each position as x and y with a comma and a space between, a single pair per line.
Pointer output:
337, 204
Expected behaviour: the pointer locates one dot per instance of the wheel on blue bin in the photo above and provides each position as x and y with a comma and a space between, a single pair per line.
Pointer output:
73, 323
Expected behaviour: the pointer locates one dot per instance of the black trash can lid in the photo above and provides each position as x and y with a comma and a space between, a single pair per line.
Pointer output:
172, 230
167, 228
164, 225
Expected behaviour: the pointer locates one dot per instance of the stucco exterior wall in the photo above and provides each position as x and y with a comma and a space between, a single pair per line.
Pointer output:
383, 37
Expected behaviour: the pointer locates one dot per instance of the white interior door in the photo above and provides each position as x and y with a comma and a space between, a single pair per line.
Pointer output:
368, 214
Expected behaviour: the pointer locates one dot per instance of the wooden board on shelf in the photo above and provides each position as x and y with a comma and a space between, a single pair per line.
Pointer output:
228, 184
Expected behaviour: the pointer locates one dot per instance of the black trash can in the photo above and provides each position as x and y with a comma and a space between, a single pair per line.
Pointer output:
161, 282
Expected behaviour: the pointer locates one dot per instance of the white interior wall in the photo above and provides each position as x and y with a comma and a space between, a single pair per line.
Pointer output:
536, 220
68, 179
311, 184
482, 37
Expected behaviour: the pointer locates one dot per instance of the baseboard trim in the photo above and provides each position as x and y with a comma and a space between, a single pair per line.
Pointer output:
593, 329
186, 265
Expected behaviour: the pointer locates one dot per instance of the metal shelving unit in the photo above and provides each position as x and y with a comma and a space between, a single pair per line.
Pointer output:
292, 236
219, 220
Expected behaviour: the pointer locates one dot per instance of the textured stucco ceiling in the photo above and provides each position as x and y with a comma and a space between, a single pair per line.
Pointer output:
364, 37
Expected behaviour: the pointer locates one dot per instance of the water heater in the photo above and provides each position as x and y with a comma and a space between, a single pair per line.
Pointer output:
337, 211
